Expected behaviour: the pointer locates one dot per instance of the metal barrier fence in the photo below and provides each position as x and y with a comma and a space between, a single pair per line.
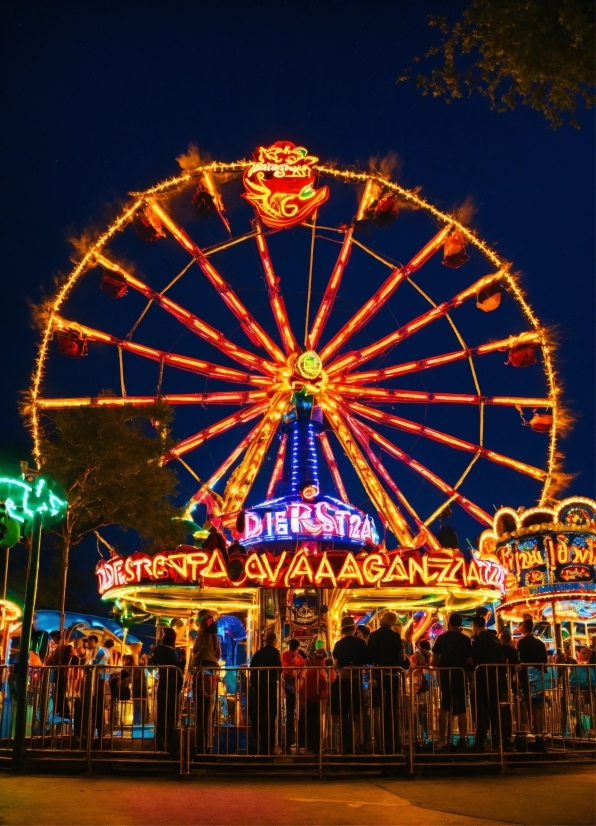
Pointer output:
89, 712
311, 718
312, 714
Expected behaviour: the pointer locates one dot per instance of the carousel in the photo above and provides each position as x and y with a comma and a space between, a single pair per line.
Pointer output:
549, 556
410, 385
298, 563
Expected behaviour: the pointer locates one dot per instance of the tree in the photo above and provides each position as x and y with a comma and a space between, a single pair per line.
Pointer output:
109, 462
537, 52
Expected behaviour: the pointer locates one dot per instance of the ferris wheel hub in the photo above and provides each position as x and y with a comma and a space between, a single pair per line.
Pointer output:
309, 365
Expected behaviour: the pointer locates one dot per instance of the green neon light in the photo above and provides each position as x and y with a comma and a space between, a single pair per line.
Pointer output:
23, 500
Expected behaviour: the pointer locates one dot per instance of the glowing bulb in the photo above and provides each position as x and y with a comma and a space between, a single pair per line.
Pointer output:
309, 365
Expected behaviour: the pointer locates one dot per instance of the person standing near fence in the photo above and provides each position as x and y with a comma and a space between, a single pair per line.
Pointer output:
313, 690
486, 651
420, 682
363, 631
532, 651
350, 652
138, 688
292, 660
453, 651
169, 683
100, 657
582, 682
59, 654
206, 654
507, 687
263, 695
386, 650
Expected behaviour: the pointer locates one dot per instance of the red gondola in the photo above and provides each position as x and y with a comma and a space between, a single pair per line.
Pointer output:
454, 251
71, 343
386, 210
113, 284
523, 355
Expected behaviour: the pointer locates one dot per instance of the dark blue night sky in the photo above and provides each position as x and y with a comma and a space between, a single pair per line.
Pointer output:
99, 99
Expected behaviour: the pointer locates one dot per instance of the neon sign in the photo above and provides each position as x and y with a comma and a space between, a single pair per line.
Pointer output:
23, 499
549, 556
331, 569
547, 553
326, 520
280, 185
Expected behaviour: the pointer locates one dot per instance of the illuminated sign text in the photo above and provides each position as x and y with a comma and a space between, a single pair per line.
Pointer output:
332, 569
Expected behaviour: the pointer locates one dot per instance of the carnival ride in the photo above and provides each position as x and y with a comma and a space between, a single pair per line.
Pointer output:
549, 555
338, 378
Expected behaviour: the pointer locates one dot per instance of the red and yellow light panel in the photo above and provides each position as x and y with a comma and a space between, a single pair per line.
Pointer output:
358, 357
275, 297
332, 464
331, 291
251, 327
385, 291
191, 321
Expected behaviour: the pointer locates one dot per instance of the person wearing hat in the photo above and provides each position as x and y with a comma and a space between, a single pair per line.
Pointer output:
453, 653
386, 650
265, 668
350, 653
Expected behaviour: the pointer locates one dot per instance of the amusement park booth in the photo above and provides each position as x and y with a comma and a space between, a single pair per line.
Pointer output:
549, 555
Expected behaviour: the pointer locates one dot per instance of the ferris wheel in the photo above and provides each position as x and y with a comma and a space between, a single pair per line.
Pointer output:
340, 355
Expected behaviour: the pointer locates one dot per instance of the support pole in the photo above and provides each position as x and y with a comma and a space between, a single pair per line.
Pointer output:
557, 636
22, 683
5, 585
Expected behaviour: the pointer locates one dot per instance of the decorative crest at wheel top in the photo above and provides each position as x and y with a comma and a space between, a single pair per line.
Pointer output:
280, 185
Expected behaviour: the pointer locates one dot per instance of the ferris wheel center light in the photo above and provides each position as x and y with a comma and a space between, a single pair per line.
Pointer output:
309, 365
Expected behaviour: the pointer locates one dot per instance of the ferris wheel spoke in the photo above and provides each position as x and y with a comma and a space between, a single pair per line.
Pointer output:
278, 467
242, 479
332, 289
531, 337
360, 434
469, 506
357, 357
213, 430
240, 397
379, 467
379, 497
332, 464
191, 321
275, 297
438, 436
251, 327
222, 469
385, 291
381, 394
204, 368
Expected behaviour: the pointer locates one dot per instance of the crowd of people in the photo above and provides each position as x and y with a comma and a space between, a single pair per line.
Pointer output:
483, 681
486, 687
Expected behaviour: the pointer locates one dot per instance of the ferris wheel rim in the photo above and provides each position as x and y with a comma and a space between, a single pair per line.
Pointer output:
96, 250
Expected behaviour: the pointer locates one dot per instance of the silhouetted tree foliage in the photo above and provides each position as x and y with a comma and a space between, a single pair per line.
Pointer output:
536, 52
108, 461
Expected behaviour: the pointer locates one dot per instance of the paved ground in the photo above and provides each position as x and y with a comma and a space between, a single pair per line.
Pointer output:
565, 797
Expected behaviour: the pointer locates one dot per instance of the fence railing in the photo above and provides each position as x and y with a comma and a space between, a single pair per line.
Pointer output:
80, 711
311, 716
